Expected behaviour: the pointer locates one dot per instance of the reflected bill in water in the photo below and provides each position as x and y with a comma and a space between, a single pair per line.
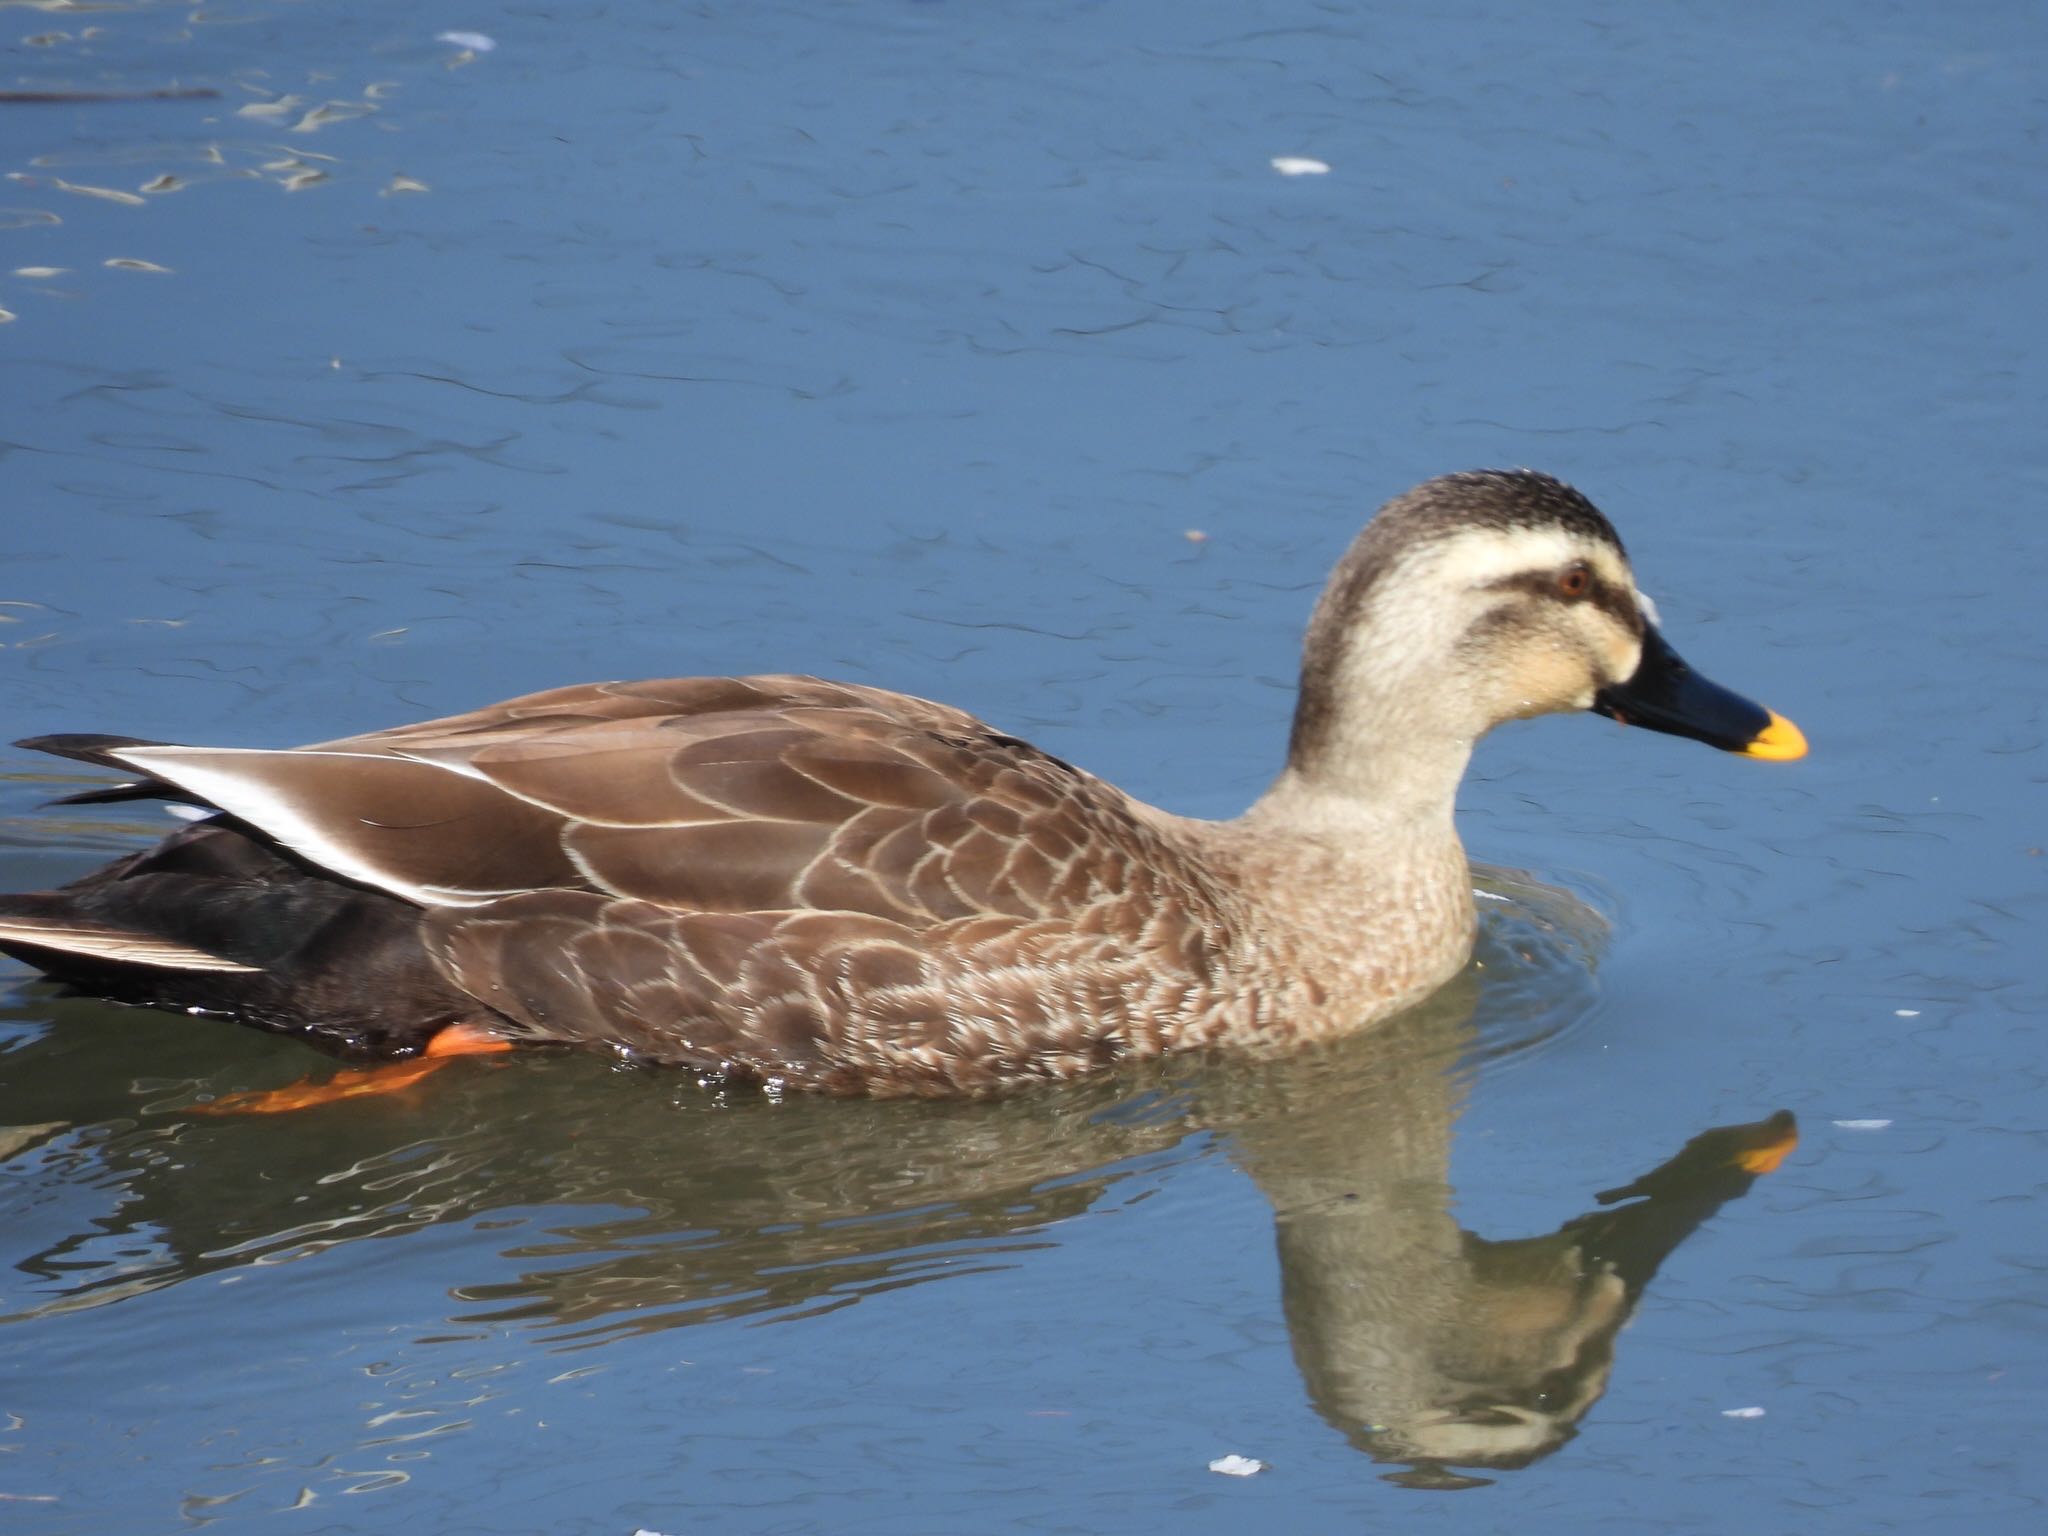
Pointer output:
1430, 1345
641, 1204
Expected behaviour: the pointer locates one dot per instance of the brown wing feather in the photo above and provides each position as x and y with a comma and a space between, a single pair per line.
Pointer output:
665, 698
780, 793
415, 829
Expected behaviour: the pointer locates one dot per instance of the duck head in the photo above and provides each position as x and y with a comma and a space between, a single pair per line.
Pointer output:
1489, 596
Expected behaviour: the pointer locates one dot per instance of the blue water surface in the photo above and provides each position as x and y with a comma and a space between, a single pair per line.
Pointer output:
982, 352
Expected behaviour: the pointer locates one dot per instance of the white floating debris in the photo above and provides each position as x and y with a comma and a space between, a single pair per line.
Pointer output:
7, 316
105, 194
1863, 1125
1742, 1413
1300, 165
1196, 536
1905, 1013
284, 106
1245, 1466
403, 184
331, 112
132, 264
33, 272
295, 175
475, 42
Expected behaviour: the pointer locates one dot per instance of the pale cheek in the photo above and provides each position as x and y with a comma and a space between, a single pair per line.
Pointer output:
1546, 685
1623, 661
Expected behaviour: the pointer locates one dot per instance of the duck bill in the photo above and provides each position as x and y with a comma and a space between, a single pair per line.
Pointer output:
1667, 695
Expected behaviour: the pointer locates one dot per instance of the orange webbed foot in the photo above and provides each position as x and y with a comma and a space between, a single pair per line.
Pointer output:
361, 1082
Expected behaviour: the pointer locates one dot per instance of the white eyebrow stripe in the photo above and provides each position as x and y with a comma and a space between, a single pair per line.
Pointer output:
1481, 557
1485, 557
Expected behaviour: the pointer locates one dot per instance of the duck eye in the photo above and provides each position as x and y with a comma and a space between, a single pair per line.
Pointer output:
1574, 581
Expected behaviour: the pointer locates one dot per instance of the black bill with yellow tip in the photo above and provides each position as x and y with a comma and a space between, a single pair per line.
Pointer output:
1667, 695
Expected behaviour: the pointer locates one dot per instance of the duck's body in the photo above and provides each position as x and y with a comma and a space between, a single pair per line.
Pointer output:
845, 889
779, 877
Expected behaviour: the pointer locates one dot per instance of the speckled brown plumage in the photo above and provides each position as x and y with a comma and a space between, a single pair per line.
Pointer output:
839, 888
834, 886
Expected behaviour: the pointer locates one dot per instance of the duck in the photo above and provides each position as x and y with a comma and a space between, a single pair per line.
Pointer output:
829, 887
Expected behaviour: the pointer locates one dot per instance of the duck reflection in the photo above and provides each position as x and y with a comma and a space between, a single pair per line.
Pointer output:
1428, 1345
643, 1202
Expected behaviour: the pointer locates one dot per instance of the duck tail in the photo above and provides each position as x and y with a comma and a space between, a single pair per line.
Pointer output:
99, 750
216, 920
41, 928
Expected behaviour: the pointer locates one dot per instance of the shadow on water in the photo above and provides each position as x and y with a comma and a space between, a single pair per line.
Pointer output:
663, 1202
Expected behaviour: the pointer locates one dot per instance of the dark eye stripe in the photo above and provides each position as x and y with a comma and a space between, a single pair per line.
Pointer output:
1620, 605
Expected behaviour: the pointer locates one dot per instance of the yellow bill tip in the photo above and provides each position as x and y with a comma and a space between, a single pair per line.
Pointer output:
1768, 1157
1779, 742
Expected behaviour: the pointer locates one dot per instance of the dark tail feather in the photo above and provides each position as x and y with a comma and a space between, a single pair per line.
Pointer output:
134, 789
99, 750
87, 747
41, 929
214, 919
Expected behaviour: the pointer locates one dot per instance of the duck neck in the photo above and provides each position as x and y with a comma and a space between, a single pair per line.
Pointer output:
1371, 845
1383, 725
1397, 786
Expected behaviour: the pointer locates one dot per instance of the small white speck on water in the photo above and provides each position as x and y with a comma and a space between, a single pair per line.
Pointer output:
1905, 1013
1742, 1413
1300, 165
1863, 1125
